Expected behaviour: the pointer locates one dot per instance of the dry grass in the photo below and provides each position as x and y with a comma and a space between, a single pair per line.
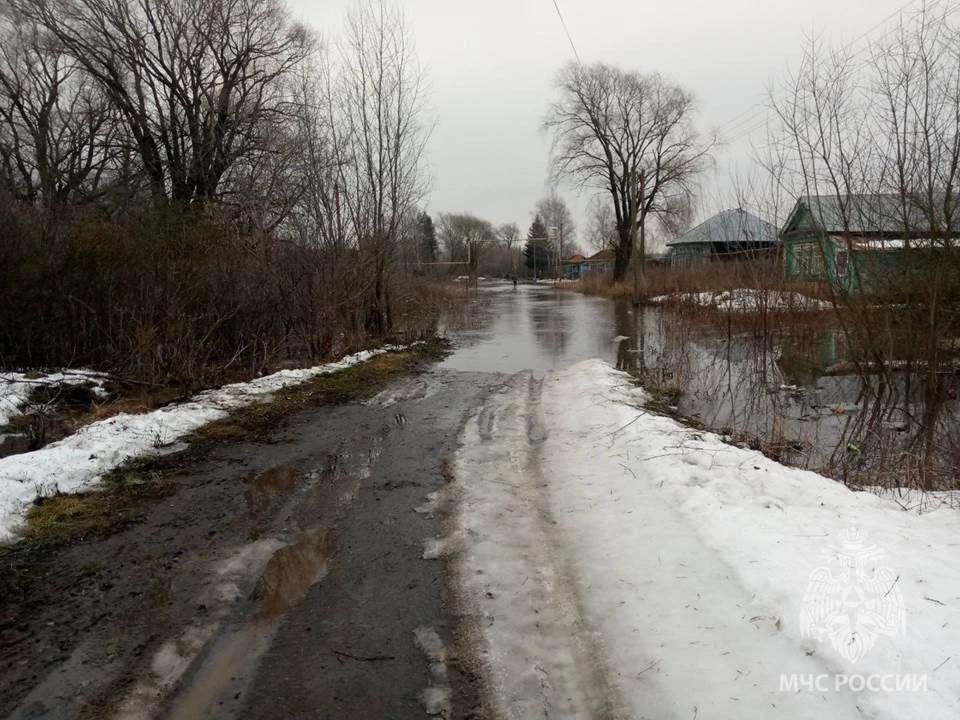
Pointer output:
707, 277
67, 519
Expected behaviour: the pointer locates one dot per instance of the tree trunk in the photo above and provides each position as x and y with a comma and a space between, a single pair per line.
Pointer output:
623, 252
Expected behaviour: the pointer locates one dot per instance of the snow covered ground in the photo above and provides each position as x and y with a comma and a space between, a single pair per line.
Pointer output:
747, 300
16, 388
619, 564
77, 462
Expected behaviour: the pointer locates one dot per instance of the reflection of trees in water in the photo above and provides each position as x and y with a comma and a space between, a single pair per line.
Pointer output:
550, 325
631, 357
783, 387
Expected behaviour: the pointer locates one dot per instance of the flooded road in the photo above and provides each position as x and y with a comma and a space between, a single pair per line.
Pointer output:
304, 571
790, 389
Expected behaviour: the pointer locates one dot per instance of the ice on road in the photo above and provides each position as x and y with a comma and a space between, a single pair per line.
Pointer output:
620, 565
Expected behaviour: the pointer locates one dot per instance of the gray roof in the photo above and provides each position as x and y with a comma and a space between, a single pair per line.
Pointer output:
730, 226
863, 214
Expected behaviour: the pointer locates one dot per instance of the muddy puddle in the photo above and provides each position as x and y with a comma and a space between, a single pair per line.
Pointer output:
217, 686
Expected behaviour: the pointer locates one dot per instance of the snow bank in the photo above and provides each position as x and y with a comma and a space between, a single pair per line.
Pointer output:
624, 565
747, 300
16, 388
77, 462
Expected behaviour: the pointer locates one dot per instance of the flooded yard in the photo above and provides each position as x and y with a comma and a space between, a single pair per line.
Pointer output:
789, 386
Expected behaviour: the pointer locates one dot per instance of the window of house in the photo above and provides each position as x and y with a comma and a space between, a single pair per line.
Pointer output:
843, 263
810, 259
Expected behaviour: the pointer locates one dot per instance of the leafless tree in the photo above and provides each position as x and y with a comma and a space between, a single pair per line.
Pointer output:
509, 235
561, 229
380, 141
56, 130
466, 238
629, 135
601, 230
868, 130
198, 84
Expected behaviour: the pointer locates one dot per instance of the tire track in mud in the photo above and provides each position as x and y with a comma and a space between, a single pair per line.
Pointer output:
515, 587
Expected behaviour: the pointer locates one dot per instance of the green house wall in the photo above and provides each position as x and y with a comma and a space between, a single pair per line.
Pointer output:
817, 258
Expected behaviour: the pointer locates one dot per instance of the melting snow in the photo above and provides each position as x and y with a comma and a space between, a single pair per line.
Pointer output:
747, 300
16, 388
76, 463
626, 566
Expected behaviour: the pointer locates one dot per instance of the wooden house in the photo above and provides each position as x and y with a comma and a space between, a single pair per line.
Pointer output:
860, 243
729, 235
578, 266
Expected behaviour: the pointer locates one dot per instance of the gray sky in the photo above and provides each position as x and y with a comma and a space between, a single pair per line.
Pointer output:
490, 67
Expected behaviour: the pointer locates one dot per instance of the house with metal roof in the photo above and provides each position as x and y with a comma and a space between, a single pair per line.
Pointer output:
578, 266
729, 235
862, 243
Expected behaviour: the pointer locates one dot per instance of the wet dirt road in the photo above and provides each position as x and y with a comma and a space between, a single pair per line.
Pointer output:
292, 575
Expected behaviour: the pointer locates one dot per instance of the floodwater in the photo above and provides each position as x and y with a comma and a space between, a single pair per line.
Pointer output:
783, 392
535, 327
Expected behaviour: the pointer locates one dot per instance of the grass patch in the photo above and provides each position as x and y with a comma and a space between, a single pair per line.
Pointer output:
60, 521
63, 520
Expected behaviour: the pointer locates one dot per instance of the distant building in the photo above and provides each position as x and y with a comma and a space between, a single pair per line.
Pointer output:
729, 235
860, 243
578, 266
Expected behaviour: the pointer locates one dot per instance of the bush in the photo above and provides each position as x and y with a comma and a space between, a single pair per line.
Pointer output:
170, 295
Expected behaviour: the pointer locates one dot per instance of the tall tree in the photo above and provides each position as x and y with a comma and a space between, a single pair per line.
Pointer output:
560, 226
426, 238
509, 235
381, 145
629, 135
602, 226
56, 129
199, 85
539, 250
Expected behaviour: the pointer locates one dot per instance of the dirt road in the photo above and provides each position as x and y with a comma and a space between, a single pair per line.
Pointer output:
293, 572
287, 573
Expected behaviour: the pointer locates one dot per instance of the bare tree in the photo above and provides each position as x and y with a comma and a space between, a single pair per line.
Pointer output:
880, 138
561, 229
629, 135
509, 235
381, 145
56, 129
601, 229
467, 238
198, 84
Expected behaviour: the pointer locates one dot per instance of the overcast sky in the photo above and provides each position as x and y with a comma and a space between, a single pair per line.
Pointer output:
490, 66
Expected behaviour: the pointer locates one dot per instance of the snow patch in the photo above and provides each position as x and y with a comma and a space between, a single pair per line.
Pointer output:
437, 697
77, 462
625, 565
16, 388
747, 300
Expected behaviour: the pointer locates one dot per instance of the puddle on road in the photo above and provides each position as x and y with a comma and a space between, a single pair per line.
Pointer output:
266, 489
229, 666
292, 571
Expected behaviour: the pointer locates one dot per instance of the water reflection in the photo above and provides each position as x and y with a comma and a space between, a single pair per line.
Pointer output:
794, 391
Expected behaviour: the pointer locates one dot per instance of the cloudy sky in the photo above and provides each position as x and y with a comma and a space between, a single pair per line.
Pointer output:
490, 67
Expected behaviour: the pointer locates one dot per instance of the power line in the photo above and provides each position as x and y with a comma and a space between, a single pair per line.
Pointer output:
567, 31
